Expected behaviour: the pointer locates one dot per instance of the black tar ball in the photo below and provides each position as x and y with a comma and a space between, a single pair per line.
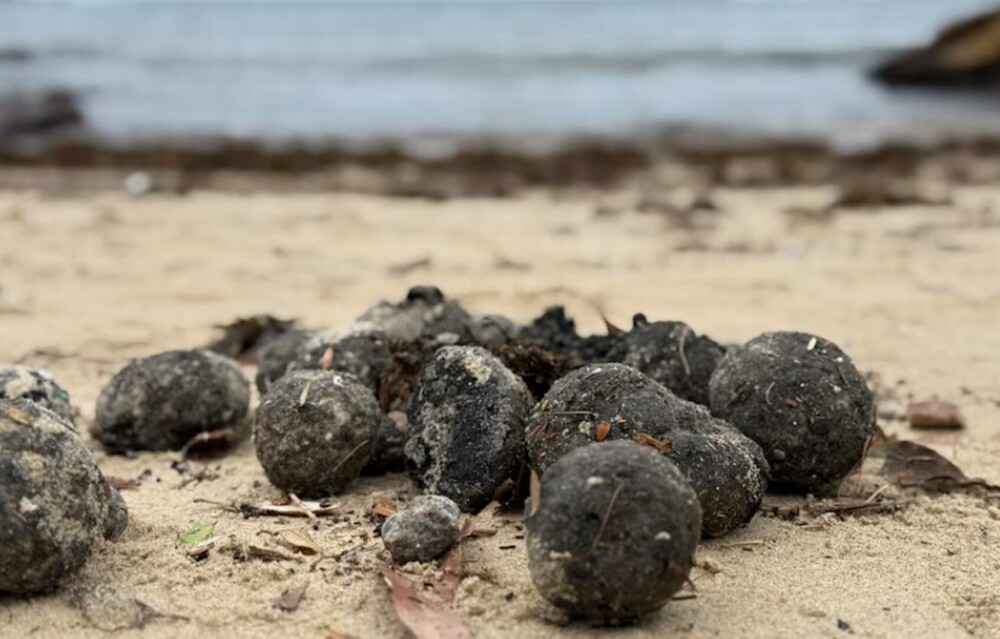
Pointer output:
55, 505
315, 431
801, 398
466, 426
161, 402
613, 535
672, 354
274, 359
607, 402
36, 385
361, 350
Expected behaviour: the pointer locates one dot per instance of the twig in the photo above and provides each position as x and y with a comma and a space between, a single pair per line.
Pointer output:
680, 350
607, 514
743, 544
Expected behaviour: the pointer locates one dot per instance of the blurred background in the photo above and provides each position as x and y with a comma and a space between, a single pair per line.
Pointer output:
432, 75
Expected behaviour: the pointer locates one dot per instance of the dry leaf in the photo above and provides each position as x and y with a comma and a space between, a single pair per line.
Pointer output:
451, 574
425, 617
289, 600
299, 541
935, 413
910, 464
603, 428
535, 492
384, 506
612, 329
246, 552
661, 446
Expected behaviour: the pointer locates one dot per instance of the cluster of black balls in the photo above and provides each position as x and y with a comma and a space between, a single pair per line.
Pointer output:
644, 440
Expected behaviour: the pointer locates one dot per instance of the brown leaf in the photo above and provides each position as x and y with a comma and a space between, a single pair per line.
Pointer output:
451, 574
612, 329
384, 506
426, 617
603, 428
298, 540
289, 600
661, 446
935, 413
909, 464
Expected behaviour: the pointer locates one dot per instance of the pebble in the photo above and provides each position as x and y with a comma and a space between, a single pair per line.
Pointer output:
427, 529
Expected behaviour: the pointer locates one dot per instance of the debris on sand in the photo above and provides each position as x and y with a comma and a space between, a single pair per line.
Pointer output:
423, 614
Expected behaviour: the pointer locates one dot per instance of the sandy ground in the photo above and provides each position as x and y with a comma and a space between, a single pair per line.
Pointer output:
912, 294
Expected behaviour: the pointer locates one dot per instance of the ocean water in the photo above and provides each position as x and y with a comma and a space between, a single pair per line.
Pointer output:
315, 70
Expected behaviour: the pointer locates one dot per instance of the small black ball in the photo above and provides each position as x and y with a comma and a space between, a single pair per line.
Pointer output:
801, 398
614, 533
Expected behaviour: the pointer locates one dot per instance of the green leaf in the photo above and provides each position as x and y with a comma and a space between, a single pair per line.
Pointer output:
199, 533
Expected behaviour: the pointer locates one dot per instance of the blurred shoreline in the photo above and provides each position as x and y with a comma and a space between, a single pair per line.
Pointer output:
496, 167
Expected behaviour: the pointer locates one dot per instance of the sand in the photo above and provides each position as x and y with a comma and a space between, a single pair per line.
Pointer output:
88, 281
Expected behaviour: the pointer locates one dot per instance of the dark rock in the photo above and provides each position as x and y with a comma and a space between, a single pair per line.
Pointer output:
55, 505
428, 528
801, 398
466, 426
315, 431
36, 385
161, 402
607, 402
965, 54
274, 359
671, 354
614, 533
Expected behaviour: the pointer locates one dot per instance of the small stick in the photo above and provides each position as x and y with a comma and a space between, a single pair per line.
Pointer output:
292, 497
680, 350
349, 455
743, 544
607, 514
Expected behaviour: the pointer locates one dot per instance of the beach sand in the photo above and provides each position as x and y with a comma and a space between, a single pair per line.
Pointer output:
88, 281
